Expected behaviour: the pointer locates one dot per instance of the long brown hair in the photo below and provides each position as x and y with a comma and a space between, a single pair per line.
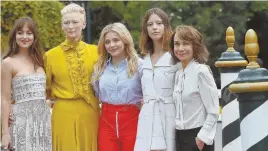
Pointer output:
34, 50
190, 34
146, 43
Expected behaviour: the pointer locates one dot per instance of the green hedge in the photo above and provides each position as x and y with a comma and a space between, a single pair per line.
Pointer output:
45, 14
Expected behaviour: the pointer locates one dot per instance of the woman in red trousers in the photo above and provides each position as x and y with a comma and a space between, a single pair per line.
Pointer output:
117, 83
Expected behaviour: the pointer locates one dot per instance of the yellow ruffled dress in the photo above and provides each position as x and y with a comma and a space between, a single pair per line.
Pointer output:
75, 115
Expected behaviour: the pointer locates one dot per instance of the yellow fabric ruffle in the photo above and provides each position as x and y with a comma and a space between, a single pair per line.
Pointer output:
80, 59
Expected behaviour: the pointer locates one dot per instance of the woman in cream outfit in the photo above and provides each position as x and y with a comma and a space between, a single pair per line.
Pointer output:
156, 126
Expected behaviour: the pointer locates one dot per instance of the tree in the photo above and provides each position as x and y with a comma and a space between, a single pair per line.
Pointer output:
45, 14
130, 13
211, 18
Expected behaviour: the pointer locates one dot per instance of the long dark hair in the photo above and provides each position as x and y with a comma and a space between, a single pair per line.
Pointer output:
146, 43
34, 50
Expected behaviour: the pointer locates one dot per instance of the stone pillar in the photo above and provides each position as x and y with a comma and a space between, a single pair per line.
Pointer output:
229, 64
251, 88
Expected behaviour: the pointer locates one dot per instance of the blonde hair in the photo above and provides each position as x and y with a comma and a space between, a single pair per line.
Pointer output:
74, 8
132, 57
146, 43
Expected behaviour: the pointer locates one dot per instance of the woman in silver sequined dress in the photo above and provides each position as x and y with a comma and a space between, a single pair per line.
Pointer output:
23, 82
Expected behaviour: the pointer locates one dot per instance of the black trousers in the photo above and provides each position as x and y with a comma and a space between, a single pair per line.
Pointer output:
185, 141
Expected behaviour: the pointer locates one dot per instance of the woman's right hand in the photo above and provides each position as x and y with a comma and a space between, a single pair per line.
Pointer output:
6, 140
140, 104
50, 103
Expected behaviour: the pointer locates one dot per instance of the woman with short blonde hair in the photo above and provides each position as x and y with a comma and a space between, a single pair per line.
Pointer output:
69, 67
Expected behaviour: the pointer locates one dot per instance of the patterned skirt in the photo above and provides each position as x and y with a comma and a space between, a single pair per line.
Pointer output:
31, 129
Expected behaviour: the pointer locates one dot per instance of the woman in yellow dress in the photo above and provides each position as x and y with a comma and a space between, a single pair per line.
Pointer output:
69, 67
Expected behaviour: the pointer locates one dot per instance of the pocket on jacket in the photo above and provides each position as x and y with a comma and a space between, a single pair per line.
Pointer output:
170, 75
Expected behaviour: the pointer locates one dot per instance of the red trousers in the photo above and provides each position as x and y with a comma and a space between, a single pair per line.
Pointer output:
118, 127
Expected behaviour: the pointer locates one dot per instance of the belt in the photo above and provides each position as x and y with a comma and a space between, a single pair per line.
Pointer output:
157, 104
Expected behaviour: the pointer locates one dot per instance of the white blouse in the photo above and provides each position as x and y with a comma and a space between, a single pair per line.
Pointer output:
197, 103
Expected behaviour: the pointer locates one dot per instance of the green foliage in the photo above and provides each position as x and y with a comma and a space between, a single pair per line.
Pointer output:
45, 14
110, 11
211, 18
259, 6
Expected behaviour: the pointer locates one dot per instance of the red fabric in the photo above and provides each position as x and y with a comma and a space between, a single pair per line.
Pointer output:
127, 117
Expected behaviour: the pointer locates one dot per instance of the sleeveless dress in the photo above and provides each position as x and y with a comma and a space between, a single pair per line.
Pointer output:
31, 129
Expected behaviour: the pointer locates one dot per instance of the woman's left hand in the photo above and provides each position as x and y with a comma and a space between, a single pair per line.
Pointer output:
200, 144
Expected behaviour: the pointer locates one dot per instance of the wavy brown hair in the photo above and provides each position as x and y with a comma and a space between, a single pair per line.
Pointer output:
132, 56
146, 43
34, 50
190, 34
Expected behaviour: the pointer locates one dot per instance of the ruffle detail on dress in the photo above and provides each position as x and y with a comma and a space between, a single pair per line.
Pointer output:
76, 67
